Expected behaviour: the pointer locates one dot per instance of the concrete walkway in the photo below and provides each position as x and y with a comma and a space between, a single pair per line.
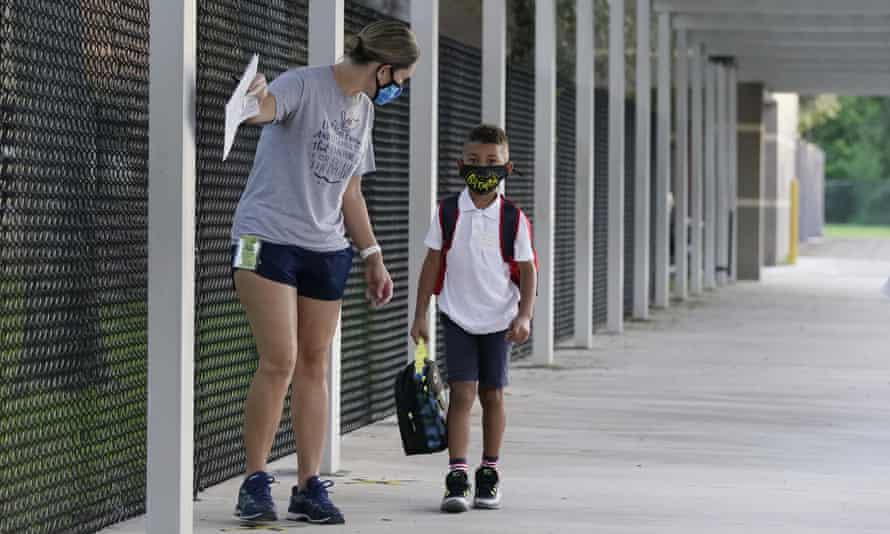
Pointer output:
760, 408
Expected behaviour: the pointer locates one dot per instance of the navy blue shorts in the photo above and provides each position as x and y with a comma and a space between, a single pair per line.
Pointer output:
316, 275
472, 358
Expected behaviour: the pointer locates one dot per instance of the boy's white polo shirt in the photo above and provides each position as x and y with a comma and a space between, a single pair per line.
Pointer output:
478, 294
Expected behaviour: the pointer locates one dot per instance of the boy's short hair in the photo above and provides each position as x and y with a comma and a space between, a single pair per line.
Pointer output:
488, 134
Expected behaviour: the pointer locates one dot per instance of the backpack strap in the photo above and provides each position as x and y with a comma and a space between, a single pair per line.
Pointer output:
510, 217
448, 213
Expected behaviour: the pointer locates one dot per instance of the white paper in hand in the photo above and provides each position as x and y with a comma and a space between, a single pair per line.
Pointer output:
886, 289
241, 106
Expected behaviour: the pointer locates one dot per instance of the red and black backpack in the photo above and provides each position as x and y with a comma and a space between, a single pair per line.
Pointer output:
510, 219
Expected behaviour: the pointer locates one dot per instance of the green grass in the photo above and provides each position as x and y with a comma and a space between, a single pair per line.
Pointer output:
856, 231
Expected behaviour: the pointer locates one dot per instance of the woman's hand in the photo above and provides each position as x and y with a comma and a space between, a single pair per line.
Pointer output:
379, 291
259, 87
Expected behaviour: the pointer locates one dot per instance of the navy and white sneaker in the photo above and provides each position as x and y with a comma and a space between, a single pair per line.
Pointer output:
312, 504
255, 502
488, 495
457, 492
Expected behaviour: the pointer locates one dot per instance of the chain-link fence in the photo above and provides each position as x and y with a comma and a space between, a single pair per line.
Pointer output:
73, 261
857, 202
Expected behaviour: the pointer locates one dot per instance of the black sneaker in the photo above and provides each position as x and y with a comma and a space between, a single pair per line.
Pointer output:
255, 502
457, 492
312, 504
488, 495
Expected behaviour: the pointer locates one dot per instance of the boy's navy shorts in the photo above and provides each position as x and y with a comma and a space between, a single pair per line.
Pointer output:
476, 358
316, 275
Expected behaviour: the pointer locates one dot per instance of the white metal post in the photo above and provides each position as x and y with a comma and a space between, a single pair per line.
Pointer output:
663, 168
494, 62
696, 283
545, 175
171, 267
424, 157
681, 174
734, 171
642, 189
326, 48
615, 291
722, 179
584, 171
710, 180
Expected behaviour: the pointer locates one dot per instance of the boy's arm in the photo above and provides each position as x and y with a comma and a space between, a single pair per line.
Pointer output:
429, 275
528, 280
520, 328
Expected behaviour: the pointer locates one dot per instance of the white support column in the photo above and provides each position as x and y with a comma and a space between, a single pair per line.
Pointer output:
710, 180
545, 175
681, 171
424, 157
584, 172
494, 62
734, 171
326, 48
663, 168
615, 291
722, 179
171, 267
696, 273
642, 189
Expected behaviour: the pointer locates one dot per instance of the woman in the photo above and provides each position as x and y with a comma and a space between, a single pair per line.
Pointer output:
290, 255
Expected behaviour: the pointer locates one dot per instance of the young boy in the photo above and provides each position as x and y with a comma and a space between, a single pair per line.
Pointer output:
482, 265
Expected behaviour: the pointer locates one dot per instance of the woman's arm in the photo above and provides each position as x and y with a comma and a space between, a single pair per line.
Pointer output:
355, 215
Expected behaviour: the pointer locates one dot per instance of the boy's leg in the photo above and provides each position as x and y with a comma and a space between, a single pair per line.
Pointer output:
494, 422
494, 363
462, 362
460, 405
461, 358
493, 377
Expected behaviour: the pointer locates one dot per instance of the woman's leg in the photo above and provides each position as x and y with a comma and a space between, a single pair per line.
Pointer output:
309, 401
271, 309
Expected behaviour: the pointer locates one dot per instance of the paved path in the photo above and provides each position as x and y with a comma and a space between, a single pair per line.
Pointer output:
760, 408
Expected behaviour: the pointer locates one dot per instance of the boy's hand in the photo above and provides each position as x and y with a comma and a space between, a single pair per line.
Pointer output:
420, 330
520, 329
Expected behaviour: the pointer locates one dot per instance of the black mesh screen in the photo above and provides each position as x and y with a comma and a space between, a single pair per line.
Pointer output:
73, 263
229, 32
601, 207
630, 180
375, 343
460, 109
521, 131
564, 264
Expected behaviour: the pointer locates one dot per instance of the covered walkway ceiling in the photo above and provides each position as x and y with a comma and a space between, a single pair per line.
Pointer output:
805, 46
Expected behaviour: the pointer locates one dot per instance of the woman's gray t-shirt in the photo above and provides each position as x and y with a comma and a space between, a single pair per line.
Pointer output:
320, 138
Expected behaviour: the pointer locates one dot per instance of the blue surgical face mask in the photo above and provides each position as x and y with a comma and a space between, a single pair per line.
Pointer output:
386, 93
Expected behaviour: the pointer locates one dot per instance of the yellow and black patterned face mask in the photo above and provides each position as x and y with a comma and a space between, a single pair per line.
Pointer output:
483, 179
